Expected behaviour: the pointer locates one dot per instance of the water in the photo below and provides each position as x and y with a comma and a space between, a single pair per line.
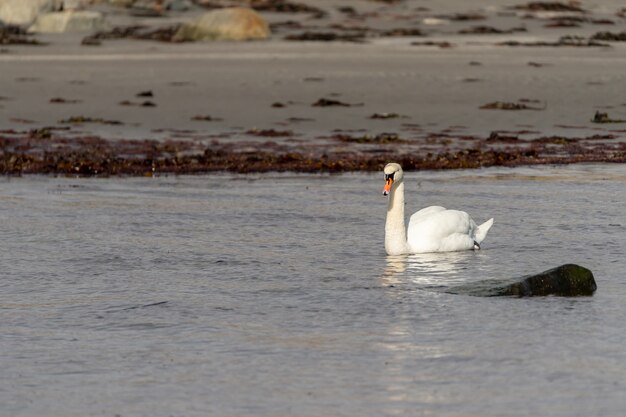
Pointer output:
271, 295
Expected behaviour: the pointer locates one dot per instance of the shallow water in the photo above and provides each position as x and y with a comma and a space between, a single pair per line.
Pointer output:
271, 295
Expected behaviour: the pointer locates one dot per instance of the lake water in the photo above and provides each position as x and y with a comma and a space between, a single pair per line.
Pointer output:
271, 295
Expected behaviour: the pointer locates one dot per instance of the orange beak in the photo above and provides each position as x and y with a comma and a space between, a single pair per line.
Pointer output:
388, 183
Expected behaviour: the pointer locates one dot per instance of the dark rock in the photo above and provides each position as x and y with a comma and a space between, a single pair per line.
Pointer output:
565, 281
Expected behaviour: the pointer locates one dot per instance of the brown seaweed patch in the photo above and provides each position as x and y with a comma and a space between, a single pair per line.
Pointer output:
600, 117
82, 119
326, 37
573, 41
486, 30
382, 138
16, 35
206, 118
609, 37
402, 32
89, 156
326, 102
537, 64
269, 133
147, 103
440, 44
283, 6
502, 105
550, 6
462, 17
61, 100
385, 116
141, 32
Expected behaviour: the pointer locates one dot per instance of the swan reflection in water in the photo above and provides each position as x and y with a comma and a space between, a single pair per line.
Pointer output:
428, 269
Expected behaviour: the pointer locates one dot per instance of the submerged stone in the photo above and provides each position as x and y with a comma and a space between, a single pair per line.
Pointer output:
566, 281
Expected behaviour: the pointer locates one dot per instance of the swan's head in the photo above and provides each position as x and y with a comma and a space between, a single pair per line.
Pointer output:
393, 174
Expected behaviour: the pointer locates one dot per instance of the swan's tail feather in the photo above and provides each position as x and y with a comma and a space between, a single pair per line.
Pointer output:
481, 231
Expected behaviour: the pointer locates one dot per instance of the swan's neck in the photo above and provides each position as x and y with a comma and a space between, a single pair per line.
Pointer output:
395, 232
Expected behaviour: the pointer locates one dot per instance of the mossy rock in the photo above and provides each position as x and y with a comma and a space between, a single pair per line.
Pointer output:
566, 281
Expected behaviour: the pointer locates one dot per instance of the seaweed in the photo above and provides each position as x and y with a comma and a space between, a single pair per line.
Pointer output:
502, 105
83, 119
609, 37
600, 117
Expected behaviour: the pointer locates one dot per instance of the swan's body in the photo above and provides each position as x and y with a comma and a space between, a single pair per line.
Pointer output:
432, 229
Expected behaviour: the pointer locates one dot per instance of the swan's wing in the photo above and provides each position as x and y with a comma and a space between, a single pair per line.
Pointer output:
438, 228
425, 212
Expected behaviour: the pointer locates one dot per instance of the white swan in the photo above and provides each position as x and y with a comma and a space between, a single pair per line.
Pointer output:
432, 229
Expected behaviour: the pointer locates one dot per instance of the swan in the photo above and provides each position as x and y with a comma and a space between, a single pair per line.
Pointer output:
432, 229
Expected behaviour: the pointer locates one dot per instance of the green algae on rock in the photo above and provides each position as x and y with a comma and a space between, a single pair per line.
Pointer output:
567, 280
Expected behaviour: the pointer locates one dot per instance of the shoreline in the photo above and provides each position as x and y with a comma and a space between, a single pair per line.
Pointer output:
440, 87
41, 152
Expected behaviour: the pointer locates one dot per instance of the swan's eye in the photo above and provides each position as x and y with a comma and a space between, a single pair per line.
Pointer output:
388, 177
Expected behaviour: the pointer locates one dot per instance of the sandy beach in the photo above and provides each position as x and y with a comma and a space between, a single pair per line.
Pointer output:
414, 97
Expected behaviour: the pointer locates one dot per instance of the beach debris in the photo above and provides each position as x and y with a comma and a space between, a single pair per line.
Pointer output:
601, 117
326, 37
502, 105
278, 105
147, 93
60, 100
141, 32
568, 280
206, 118
270, 133
83, 119
381, 138
146, 103
233, 23
462, 17
402, 32
485, 30
475, 64
609, 37
385, 116
569, 40
16, 35
276, 6
299, 119
327, 102
501, 138
550, 6
441, 44
536, 64
313, 79
565, 22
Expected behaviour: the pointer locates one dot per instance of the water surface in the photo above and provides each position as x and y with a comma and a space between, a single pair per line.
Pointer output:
271, 295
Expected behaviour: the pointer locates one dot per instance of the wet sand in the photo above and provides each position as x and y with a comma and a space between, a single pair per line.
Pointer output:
252, 103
